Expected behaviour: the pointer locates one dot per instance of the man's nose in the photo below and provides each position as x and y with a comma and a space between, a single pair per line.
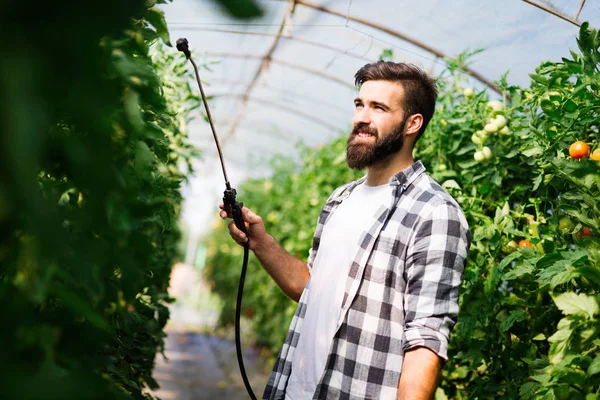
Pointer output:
361, 116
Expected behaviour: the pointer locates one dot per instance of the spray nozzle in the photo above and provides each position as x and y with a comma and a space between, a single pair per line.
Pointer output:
182, 45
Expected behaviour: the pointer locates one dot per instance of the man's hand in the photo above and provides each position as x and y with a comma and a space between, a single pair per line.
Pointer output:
254, 226
290, 273
420, 374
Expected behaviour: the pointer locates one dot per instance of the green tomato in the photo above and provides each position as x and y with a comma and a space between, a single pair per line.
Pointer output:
487, 153
468, 93
496, 105
504, 131
491, 128
500, 121
510, 247
478, 139
479, 157
565, 225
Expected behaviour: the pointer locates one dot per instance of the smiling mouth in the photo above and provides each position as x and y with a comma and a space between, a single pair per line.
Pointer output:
363, 136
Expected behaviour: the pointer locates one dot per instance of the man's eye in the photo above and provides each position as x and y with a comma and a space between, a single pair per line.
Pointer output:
357, 105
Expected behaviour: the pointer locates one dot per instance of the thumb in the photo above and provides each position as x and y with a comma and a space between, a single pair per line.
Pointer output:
250, 217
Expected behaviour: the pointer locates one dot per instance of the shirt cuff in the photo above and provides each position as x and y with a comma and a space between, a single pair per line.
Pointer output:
426, 337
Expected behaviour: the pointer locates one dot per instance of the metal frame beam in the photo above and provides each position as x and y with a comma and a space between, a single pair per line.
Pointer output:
398, 35
291, 38
266, 61
556, 13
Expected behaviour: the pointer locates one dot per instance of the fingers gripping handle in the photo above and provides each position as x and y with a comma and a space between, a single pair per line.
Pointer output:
234, 209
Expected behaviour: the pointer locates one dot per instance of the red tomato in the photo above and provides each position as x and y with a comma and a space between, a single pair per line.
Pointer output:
586, 231
579, 150
525, 243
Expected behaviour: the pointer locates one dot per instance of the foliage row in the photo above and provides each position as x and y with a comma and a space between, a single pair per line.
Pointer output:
530, 312
91, 158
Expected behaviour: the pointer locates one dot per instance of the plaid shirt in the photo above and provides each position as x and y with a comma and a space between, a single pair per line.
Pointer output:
401, 291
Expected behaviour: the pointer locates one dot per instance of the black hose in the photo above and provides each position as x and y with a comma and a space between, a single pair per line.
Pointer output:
238, 309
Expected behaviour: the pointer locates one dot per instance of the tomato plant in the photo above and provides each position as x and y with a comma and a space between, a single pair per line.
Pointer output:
91, 170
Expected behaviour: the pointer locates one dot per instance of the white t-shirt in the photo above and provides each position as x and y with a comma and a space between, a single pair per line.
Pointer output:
339, 244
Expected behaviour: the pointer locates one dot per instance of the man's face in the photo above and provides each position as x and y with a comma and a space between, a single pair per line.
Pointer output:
378, 124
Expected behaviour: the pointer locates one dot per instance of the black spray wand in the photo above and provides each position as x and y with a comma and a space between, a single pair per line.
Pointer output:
233, 209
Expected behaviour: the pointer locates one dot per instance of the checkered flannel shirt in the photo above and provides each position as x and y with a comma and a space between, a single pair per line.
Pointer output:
401, 291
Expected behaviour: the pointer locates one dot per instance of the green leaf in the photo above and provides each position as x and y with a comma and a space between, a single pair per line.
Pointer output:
514, 316
80, 307
570, 105
559, 342
577, 304
143, 160
132, 109
156, 18
451, 184
537, 181
508, 259
387, 55
518, 271
528, 390
242, 9
540, 79
484, 232
548, 107
533, 151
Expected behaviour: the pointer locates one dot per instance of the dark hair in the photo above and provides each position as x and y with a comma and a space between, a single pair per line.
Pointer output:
420, 90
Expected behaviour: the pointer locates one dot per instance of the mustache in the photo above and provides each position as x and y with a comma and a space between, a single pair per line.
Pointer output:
366, 129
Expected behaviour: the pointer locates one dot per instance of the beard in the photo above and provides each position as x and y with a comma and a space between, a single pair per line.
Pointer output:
363, 155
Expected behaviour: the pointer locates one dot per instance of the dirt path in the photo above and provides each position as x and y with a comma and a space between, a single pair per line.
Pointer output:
202, 366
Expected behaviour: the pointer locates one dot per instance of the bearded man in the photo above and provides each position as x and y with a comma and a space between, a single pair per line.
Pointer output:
379, 295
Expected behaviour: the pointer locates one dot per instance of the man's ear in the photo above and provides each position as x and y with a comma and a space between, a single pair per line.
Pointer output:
414, 123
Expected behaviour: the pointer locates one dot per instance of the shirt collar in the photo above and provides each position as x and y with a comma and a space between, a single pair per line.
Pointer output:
408, 175
403, 178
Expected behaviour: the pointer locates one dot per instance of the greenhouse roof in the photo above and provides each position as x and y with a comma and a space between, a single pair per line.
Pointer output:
288, 76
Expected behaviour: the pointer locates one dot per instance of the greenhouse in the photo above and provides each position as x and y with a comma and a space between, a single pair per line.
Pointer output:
417, 183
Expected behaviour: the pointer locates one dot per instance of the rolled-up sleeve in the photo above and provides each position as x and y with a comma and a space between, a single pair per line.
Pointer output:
434, 270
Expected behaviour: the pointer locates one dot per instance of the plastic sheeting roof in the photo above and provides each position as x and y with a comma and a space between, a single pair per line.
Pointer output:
288, 76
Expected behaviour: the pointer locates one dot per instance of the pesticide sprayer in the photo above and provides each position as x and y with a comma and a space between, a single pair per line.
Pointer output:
234, 210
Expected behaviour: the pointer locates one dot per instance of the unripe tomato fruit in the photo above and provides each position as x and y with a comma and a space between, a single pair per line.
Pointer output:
595, 155
491, 128
496, 105
468, 93
579, 150
525, 243
478, 139
565, 225
500, 121
487, 153
504, 131
479, 157
510, 246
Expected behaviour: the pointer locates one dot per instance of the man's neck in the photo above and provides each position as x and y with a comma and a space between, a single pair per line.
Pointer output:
380, 174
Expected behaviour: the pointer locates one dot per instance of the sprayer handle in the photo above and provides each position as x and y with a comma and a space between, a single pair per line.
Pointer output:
234, 209
236, 213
